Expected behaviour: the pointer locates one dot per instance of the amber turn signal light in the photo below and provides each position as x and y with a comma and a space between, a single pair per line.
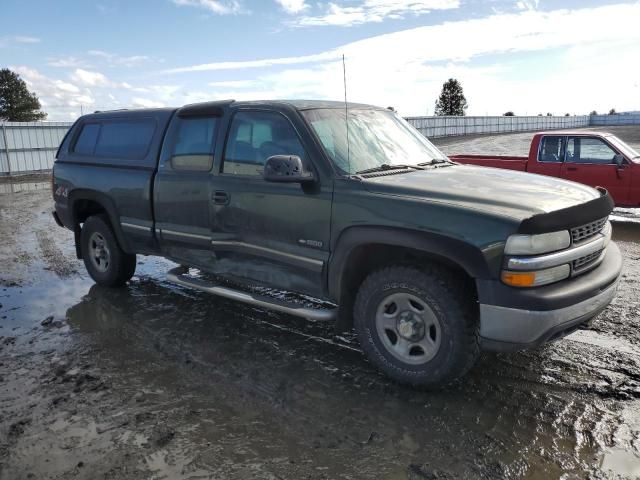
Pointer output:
519, 279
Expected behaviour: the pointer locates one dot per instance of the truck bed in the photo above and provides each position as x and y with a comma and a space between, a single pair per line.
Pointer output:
507, 162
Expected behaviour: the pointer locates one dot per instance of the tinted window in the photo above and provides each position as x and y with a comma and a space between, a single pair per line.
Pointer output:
125, 139
589, 150
256, 136
194, 144
551, 149
86, 142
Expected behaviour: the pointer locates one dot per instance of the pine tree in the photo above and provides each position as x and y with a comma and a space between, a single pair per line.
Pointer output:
451, 100
17, 103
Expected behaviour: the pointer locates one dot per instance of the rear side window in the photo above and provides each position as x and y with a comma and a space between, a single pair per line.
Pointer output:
124, 139
115, 139
551, 149
87, 139
194, 144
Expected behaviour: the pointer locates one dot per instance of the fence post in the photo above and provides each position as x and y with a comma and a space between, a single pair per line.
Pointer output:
6, 147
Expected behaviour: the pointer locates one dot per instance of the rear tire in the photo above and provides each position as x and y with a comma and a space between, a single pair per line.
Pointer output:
105, 261
419, 326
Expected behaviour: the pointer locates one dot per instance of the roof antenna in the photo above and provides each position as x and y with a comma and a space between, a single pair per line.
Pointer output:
346, 111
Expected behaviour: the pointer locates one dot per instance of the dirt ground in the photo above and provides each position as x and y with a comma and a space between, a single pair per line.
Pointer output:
153, 381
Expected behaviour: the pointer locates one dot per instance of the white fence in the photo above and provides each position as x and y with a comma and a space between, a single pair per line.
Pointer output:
621, 119
448, 126
29, 146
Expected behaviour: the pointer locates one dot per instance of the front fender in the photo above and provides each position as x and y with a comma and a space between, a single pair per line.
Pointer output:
475, 262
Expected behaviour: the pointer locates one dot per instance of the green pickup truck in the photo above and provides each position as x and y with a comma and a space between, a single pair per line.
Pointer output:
350, 209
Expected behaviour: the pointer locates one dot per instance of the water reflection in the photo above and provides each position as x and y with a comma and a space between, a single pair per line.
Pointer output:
517, 413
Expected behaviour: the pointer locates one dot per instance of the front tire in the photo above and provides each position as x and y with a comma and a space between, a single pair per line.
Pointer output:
105, 261
418, 326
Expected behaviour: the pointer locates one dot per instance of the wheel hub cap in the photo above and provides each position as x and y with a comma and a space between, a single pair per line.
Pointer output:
410, 326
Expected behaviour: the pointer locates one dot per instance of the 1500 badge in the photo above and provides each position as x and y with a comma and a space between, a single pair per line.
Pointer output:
310, 243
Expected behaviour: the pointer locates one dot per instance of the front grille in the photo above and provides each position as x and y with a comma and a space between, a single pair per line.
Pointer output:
585, 232
584, 262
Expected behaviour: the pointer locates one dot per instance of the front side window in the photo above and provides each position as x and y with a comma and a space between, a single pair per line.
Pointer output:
589, 150
255, 136
194, 144
551, 149
376, 137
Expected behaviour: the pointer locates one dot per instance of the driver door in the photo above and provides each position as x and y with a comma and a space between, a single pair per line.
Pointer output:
591, 161
276, 234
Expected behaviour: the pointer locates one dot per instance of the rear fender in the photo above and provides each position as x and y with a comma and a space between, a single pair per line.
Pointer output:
108, 206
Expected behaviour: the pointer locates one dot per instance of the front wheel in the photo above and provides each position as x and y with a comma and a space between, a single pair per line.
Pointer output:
417, 326
105, 261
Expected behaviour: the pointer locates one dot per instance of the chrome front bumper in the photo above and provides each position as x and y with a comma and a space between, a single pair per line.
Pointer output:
506, 328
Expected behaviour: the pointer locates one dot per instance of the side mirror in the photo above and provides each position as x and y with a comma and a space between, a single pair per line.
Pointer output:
286, 169
619, 160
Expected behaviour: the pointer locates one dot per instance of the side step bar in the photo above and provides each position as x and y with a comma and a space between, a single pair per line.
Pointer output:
179, 277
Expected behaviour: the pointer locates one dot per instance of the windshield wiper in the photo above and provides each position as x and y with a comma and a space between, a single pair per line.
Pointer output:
435, 161
386, 166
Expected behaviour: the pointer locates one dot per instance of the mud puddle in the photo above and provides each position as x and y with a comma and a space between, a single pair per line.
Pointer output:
155, 381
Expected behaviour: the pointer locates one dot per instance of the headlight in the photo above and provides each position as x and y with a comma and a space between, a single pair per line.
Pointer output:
541, 243
536, 278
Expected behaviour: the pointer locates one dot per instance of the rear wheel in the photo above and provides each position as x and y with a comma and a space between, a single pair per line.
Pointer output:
103, 258
417, 326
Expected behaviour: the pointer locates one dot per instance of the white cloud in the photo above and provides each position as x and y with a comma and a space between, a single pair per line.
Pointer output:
293, 6
373, 11
219, 7
527, 4
233, 84
13, 39
146, 103
406, 69
65, 62
90, 79
119, 60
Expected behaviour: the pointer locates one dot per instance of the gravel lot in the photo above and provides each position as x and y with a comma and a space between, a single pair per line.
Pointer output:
157, 382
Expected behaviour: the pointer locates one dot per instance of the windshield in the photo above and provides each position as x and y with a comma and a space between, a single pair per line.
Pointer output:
625, 149
376, 137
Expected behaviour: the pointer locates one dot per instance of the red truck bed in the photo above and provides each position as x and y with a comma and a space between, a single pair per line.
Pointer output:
506, 162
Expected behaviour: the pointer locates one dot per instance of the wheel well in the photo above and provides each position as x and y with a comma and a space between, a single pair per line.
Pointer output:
366, 259
83, 209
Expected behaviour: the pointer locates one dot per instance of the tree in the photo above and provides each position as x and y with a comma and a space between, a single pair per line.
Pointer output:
451, 100
593, 112
509, 114
549, 114
17, 103
567, 115
613, 112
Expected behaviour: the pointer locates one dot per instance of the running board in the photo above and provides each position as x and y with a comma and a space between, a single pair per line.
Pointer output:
179, 277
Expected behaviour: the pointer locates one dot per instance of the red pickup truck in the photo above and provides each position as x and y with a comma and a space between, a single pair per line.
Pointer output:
593, 158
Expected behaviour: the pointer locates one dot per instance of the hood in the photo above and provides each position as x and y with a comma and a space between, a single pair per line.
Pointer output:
510, 193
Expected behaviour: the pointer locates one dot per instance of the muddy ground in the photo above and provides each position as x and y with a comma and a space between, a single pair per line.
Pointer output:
153, 381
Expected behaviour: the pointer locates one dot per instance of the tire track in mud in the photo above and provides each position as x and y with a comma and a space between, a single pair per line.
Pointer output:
56, 261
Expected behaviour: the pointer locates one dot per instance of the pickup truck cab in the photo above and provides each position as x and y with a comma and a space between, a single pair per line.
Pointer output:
592, 158
344, 215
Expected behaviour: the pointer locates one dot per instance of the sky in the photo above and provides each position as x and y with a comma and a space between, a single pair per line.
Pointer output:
525, 56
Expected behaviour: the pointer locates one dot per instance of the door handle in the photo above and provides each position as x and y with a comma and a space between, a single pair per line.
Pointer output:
220, 198
572, 169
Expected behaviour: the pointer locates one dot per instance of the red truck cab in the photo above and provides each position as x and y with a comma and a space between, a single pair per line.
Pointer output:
592, 158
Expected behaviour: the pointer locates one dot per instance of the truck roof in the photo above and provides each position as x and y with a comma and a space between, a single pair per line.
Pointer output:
296, 104
576, 133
